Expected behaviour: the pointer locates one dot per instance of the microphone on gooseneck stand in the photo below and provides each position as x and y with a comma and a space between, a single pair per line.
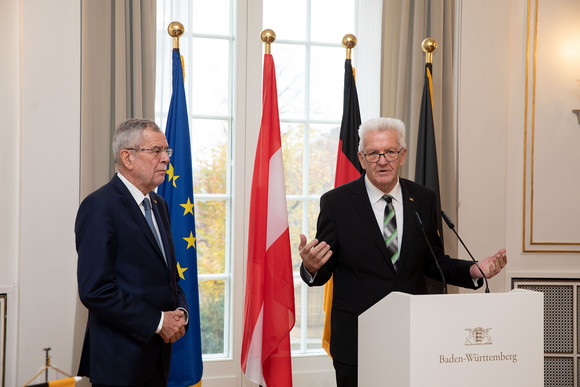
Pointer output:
452, 227
420, 223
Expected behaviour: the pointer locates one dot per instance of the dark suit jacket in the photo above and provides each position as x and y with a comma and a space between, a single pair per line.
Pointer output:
362, 273
125, 284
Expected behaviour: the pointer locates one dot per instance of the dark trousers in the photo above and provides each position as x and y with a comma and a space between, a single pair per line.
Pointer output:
149, 383
346, 374
156, 380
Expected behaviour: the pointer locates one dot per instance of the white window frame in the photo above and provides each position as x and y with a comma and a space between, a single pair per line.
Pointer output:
247, 80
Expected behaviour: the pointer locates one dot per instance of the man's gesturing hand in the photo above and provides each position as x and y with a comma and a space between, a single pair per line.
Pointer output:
491, 265
313, 254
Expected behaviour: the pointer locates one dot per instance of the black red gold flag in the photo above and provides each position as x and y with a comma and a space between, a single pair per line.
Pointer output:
348, 168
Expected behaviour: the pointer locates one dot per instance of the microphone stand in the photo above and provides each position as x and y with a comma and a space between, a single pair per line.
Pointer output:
420, 223
452, 227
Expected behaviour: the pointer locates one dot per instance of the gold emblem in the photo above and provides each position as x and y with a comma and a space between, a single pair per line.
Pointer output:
478, 336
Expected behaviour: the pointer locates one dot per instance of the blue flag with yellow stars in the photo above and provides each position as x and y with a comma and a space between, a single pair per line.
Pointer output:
177, 189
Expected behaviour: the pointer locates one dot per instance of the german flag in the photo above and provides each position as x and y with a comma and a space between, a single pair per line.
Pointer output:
348, 168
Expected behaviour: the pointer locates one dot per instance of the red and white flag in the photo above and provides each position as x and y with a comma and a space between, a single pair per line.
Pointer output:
269, 305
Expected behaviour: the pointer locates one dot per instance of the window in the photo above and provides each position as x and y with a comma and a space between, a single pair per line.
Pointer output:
223, 87
309, 62
207, 50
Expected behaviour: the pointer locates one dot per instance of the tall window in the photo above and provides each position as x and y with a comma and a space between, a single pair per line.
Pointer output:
310, 74
207, 50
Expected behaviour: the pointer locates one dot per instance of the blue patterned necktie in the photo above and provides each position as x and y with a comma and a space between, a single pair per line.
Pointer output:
149, 217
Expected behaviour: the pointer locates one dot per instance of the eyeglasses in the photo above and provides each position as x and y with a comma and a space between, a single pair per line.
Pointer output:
156, 150
388, 155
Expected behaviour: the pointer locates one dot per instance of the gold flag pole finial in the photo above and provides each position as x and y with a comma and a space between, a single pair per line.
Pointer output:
348, 42
268, 36
175, 30
429, 45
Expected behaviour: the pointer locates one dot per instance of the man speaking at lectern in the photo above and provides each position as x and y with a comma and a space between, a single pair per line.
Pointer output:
369, 239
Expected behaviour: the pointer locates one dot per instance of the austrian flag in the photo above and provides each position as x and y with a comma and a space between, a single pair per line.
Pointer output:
269, 303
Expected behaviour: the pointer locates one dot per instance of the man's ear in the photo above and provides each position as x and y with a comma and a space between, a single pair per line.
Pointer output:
361, 159
126, 157
403, 156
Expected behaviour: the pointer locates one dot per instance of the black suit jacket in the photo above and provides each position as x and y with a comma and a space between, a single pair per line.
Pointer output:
362, 272
125, 283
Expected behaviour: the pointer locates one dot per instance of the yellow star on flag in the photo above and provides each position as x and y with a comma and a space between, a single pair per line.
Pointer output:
190, 240
181, 271
171, 173
188, 207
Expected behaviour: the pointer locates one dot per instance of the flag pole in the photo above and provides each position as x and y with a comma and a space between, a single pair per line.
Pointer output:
429, 45
175, 30
426, 171
347, 165
268, 36
269, 308
348, 42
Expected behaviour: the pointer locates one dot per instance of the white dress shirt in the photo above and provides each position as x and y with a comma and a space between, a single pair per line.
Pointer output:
378, 204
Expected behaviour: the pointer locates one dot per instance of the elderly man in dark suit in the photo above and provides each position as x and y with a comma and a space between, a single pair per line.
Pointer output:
127, 276
368, 238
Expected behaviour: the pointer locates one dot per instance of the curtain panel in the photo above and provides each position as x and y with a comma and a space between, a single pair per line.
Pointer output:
405, 24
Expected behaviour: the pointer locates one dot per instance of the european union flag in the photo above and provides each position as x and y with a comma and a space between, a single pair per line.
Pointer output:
177, 189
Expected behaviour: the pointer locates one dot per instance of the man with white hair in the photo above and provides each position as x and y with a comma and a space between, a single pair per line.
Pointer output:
127, 274
369, 239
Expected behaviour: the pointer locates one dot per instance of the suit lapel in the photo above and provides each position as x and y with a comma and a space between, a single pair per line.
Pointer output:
161, 226
409, 222
135, 212
364, 208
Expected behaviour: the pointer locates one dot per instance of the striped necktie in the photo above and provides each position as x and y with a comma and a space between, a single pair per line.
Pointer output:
390, 230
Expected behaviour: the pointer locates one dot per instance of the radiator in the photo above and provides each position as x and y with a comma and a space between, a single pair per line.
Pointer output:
561, 328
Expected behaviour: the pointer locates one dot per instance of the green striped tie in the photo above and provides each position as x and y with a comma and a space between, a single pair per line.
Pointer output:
390, 230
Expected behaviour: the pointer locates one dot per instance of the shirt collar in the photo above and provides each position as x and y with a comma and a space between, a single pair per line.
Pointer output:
135, 192
376, 194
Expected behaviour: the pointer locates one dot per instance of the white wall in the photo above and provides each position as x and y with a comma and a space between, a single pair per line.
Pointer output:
497, 140
482, 117
40, 109
9, 174
9, 130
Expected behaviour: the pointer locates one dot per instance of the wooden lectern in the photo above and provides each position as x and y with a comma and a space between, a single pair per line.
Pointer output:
453, 340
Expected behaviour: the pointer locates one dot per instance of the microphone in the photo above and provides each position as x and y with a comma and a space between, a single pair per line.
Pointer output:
452, 227
420, 223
